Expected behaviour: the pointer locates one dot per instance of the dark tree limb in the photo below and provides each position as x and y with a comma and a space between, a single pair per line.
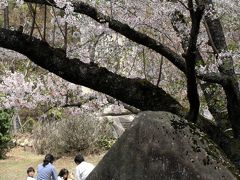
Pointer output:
45, 22
216, 104
177, 18
226, 68
33, 12
160, 71
6, 18
191, 57
213, 93
136, 92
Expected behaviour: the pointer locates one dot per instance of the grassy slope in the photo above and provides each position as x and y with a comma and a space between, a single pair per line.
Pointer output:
15, 166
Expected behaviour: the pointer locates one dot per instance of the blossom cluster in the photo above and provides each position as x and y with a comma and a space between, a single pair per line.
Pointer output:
20, 91
69, 15
211, 12
19, 2
3, 4
228, 54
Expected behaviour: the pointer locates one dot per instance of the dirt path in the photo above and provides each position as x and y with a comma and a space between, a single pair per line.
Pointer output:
15, 166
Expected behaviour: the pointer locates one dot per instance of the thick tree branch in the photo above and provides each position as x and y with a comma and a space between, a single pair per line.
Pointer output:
212, 78
136, 92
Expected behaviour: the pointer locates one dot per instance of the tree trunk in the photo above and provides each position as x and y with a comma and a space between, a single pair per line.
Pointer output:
217, 104
230, 87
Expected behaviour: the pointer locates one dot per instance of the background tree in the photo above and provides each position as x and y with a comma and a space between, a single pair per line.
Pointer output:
5, 128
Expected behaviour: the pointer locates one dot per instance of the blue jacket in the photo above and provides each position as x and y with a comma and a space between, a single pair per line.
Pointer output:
46, 173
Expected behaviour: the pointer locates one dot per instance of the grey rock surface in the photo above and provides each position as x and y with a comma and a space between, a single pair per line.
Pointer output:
160, 145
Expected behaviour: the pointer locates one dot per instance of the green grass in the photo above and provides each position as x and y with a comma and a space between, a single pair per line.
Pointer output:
18, 160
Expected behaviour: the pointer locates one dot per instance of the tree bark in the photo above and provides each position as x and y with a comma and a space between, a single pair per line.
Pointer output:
191, 58
136, 92
216, 104
230, 86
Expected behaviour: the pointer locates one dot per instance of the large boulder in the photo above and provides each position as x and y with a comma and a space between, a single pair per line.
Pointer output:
160, 145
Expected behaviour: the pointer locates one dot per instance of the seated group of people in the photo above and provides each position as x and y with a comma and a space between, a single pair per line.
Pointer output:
47, 171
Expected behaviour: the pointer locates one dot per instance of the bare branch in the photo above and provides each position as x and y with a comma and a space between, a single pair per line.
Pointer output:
33, 14
45, 22
92, 48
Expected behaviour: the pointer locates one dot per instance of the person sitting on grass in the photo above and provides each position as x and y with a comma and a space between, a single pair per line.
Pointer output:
83, 168
64, 175
46, 171
30, 173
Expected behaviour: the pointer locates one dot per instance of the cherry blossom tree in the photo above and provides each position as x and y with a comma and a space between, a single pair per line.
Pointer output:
117, 47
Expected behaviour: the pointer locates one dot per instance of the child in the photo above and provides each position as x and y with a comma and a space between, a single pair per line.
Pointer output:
64, 175
30, 173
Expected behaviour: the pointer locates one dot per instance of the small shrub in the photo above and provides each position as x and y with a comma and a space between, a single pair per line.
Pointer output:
106, 142
75, 134
28, 125
5, 125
